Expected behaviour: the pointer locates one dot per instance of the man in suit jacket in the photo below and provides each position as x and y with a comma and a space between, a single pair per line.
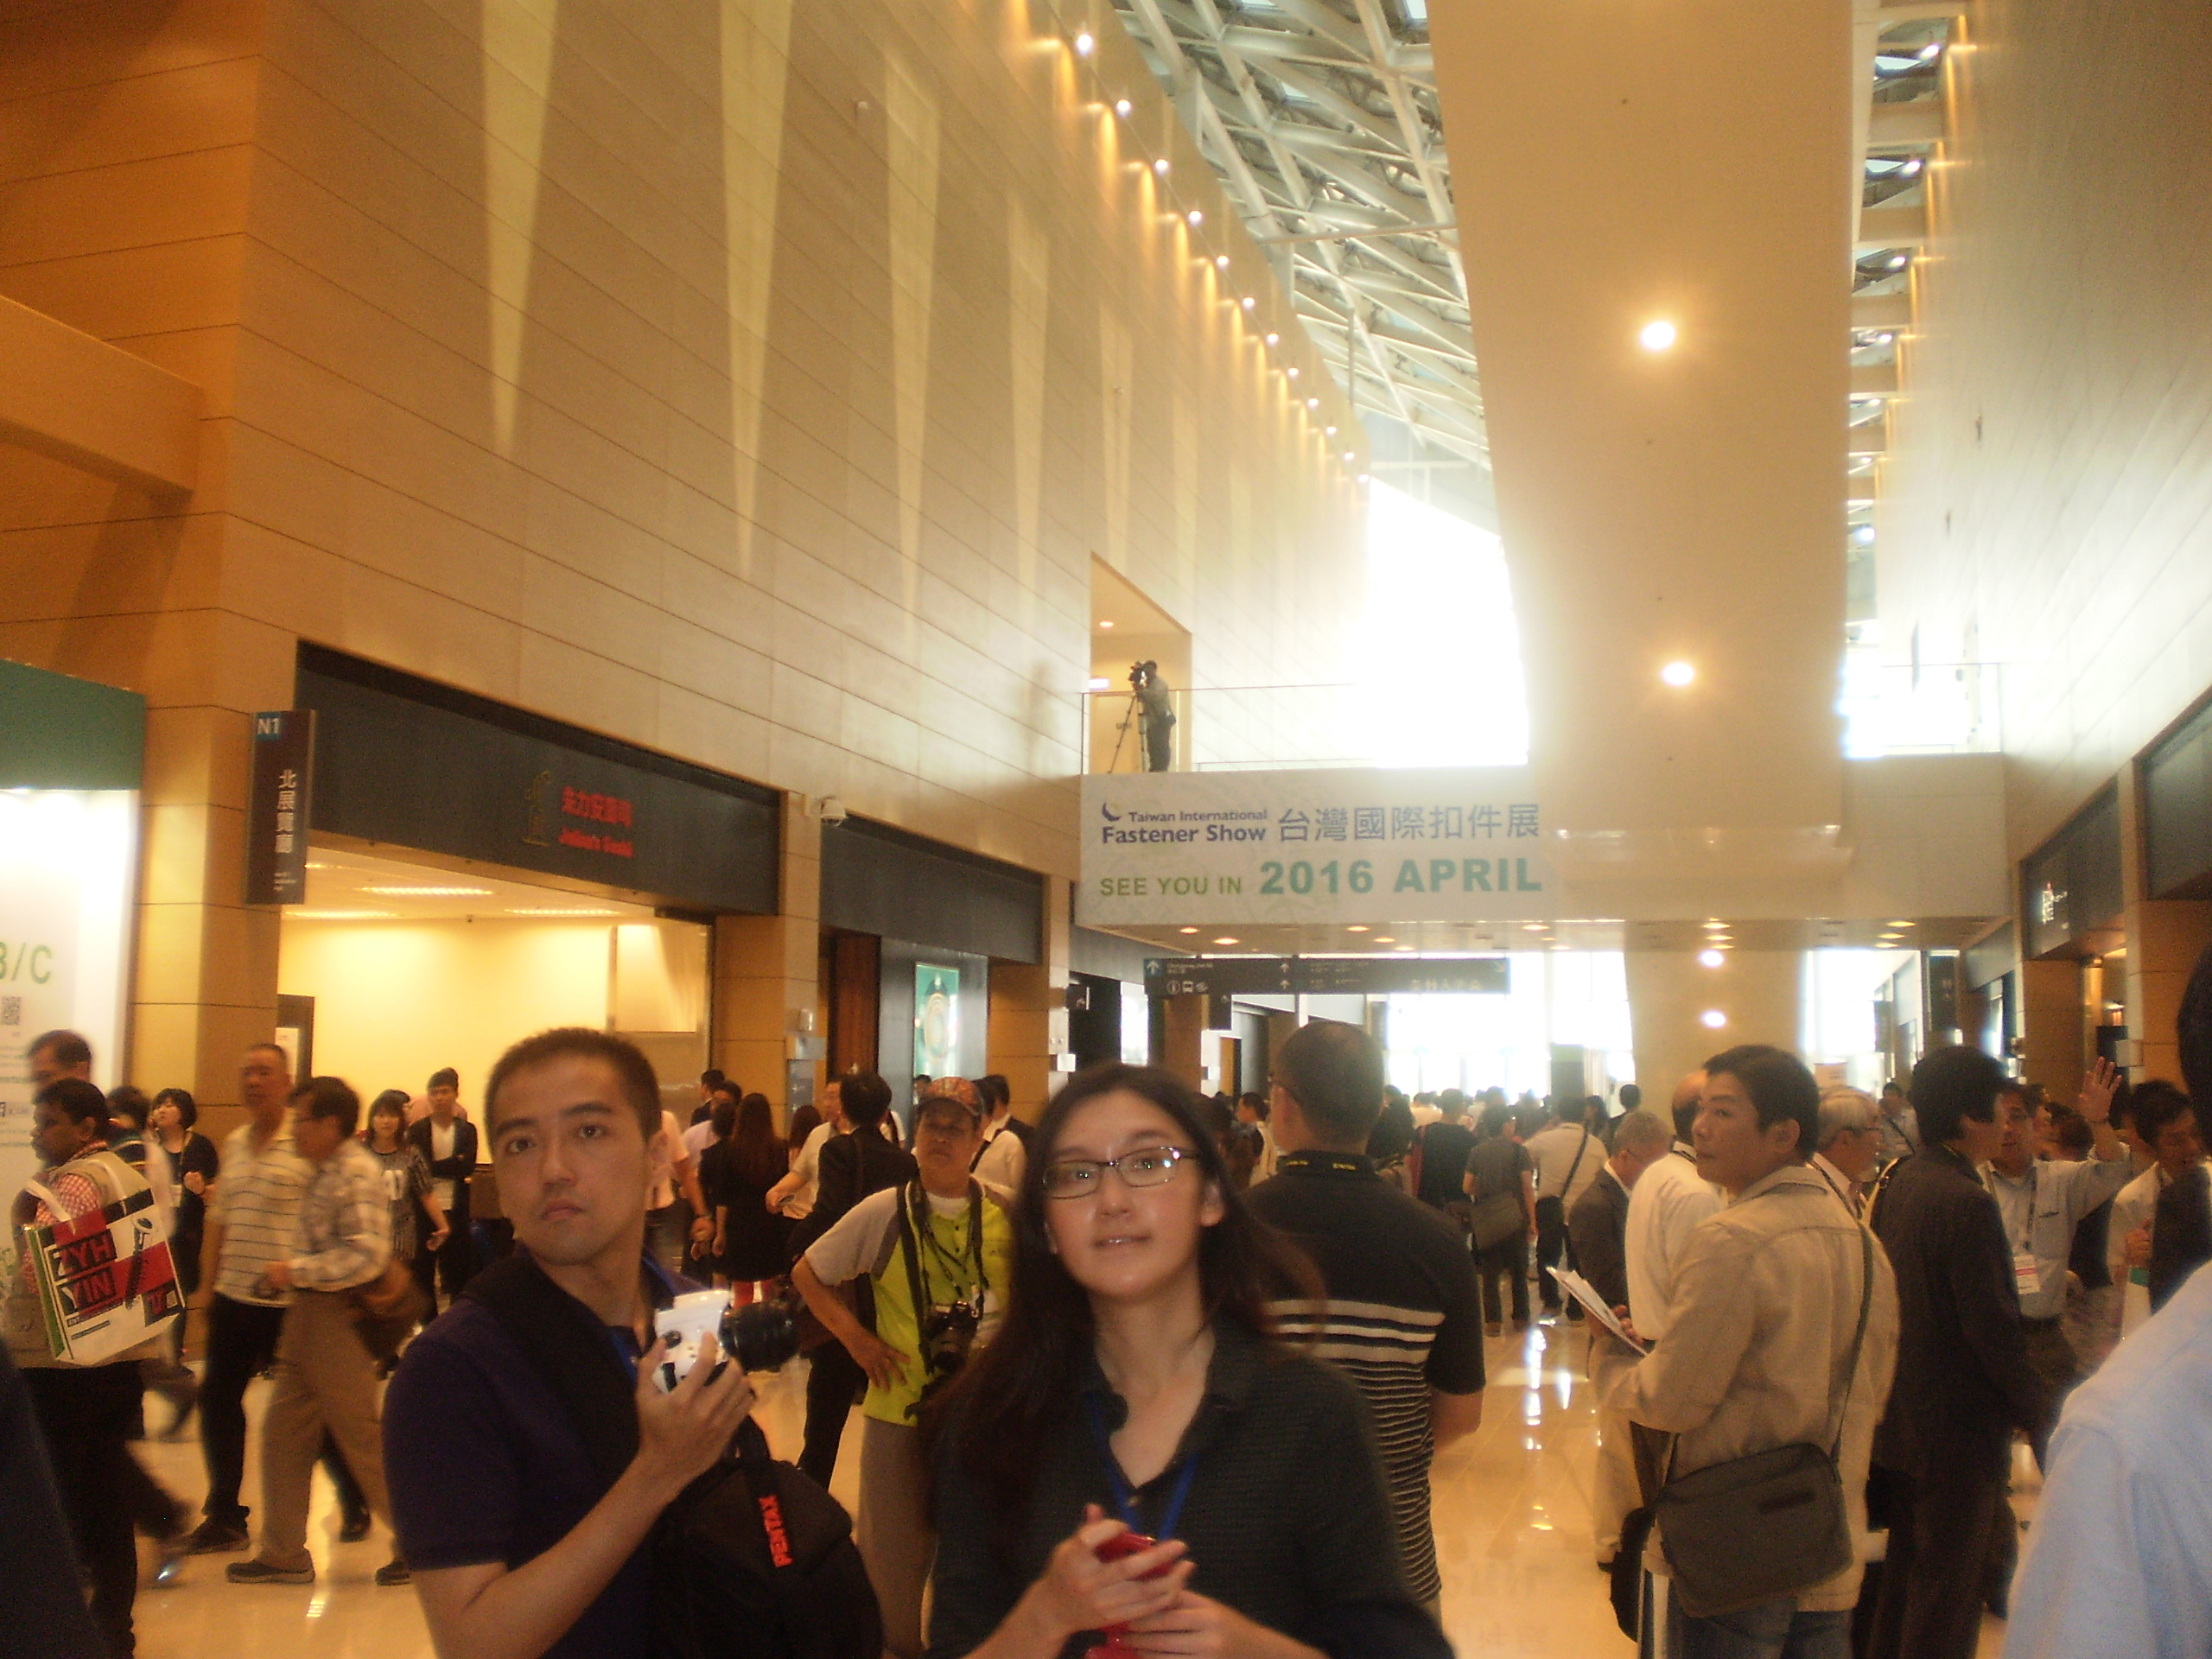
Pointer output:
1963, 1380
1598, 1225
448, 1143
851, 1166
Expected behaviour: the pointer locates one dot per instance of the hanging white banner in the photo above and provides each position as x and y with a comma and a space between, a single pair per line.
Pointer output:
1410, 845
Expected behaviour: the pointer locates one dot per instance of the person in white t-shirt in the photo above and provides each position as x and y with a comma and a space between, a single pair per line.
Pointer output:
1004, 1159
1252, 1113
1567, 1156
793, 1195
674, 1170
1667, 1201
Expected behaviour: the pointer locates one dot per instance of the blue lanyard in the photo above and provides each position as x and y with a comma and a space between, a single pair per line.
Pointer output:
1124, 1500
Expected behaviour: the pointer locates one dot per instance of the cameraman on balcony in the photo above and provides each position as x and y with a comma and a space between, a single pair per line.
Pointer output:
1156, 711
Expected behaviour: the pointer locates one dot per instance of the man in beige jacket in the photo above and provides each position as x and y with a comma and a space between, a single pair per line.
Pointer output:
1767, 1299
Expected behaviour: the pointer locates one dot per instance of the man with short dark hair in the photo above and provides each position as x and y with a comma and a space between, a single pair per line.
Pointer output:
527, 1525
1897, 1126
1403, 1317
326, 1378
85, 1413
1963, 1384
1780, 1304
448, 1141
1599, 1226
2042, 1202
56, 1054
851, 1166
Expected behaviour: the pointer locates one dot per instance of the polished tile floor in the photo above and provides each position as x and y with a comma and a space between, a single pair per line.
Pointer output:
1512, 1520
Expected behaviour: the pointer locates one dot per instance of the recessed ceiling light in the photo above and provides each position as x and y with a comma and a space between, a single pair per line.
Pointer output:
1356, 928
338, 915
1900, 925
1328, 431
1221, 262
1532, 927
1248, 301
1187, 930
1097, 682
1121, 108
1194, 219
1384, 938
1273, 338
1709, 958
1931, 52
1899, 261
1105, 625
1312, 403
1403, 947
1911, 167
430, 892
554, 911
313, 865
1712, 1020
1657, 336
1160, 167
1678, 674
1083, 43
1225, 941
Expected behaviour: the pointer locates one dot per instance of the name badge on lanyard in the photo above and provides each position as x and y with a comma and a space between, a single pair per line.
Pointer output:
2027, 1275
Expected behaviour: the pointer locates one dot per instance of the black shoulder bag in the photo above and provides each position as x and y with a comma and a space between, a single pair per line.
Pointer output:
1755, 1529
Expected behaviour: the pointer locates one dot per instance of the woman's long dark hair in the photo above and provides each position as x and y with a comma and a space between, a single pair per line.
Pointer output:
1001, 1406
755, 1147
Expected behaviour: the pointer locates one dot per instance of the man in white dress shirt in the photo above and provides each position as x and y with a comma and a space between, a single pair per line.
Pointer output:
1667, 1201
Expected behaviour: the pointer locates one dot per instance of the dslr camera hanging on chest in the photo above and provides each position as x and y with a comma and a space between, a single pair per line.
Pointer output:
944, 1328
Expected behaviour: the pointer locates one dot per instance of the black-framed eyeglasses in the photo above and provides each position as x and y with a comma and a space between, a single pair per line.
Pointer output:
1078, 1178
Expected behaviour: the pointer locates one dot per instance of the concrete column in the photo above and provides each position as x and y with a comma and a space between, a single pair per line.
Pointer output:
2165, 938
1029, 1030
1760, 992
2054, 1032
767, 969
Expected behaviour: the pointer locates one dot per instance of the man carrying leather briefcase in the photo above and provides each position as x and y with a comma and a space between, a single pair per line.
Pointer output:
1773, 1371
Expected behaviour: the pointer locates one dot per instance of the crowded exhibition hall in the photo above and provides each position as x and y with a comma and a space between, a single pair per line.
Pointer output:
1105, 830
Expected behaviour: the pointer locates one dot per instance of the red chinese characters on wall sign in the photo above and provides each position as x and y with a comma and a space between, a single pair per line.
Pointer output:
609, 810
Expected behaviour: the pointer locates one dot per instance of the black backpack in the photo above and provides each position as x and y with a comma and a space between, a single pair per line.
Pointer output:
756, 1561
735, 1575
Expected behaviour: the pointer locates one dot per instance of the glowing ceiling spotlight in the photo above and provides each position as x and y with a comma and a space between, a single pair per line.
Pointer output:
1712, 1020
1657, 336
1678, 674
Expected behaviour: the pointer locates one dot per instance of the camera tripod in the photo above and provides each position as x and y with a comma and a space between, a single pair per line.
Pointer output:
1122, 736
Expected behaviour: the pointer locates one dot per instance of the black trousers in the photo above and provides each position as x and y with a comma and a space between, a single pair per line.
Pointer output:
1943, 1532
1510, 1256
85, 1414
453, 1261
832, 1383
1552, 1244
241, 1345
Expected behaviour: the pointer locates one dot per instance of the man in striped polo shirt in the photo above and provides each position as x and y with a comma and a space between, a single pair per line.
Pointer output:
250, 1217
1403, 1319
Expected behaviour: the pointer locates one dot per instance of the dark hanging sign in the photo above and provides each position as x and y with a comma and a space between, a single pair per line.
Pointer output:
1321, 976
2071, 885
278, 804
412, 764
2177, 810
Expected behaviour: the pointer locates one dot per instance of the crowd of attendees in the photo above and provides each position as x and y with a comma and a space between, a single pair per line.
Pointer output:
1156, 1373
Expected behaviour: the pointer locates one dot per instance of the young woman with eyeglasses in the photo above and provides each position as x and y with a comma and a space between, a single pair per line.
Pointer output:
1137, 1387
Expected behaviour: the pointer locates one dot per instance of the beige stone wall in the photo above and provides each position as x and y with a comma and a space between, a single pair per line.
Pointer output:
750, 380
2049, 501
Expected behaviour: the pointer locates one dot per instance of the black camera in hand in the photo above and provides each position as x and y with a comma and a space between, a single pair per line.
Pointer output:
761, 1335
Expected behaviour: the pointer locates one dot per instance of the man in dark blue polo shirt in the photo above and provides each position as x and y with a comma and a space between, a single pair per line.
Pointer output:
1403, 1319
524, 1527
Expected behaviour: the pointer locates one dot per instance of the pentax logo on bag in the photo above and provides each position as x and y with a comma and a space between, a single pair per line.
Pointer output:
771, 1520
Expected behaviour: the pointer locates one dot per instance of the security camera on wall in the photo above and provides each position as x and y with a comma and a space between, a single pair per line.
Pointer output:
832, 810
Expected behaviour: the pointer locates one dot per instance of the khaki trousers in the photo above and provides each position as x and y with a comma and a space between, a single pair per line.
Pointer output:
892, 1529
1613, 1491
325, 1380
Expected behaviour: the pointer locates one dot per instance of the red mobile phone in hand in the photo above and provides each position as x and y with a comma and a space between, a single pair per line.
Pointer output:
1120, 1546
